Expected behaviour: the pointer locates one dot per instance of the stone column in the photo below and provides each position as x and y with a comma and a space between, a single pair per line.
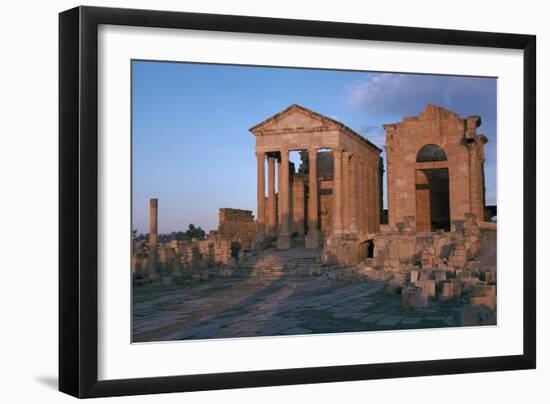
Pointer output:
312, 238
153, 237
261, 197
279, 198
337, 192
271, 219
345, 191
364, 194
353, 195
283, 239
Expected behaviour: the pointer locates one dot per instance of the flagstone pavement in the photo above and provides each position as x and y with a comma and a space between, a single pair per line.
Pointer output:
247, 307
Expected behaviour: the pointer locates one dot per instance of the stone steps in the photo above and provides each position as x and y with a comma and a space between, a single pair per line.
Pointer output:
277, 264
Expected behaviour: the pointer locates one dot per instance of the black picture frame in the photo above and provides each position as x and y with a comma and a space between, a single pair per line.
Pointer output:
78, 201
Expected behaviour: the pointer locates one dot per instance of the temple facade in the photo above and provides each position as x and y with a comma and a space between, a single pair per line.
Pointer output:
336, 192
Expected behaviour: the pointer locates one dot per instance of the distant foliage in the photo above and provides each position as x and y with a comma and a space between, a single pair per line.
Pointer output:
193, 232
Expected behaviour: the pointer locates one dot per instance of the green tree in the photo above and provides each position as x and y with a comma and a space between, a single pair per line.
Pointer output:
195, 232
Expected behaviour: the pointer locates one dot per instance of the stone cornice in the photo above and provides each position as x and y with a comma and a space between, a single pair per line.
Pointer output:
328, 124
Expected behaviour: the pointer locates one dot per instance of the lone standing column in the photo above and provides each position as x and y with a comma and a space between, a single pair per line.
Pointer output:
312, 238
283, 240
337, 192
153, 237
261, 196
271, 220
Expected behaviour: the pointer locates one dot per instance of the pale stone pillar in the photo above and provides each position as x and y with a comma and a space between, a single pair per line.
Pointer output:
153, 237
279, 198
312, 238
370, 198
353, 195
337, 192
364, 196
261, 196
271, 219
283, 239
345, 191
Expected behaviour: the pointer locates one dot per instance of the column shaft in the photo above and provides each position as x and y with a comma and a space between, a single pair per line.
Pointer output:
261, 195
272, 219
153, 237
312, 239
337, 192
353, 195
279, 194
283, 239
345, 191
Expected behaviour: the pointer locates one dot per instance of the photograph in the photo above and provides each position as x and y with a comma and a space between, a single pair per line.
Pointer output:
270, 201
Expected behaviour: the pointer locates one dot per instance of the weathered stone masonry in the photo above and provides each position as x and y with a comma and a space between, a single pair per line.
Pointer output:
435, 169
354, 185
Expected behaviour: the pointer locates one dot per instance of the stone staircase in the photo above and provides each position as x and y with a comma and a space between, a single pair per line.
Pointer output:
273, 263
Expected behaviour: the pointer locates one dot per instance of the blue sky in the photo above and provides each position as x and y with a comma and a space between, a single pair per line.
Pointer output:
191, 145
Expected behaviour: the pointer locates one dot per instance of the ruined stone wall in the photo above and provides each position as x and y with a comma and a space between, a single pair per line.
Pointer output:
236, 225
236, 231
465, 159
401, 248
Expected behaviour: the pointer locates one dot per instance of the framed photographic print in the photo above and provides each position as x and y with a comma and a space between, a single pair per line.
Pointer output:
250, 201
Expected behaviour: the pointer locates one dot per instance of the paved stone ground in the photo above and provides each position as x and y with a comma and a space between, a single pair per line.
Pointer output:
246, 307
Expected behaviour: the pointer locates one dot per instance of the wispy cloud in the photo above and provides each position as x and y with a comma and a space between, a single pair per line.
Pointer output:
407, 94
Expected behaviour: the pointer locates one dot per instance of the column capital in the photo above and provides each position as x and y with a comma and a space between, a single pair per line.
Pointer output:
260, 154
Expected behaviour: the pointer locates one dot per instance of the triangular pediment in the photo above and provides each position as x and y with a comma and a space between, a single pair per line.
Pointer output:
295, 118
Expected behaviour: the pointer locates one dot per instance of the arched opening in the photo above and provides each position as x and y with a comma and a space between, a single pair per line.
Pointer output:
430, 152
366, 250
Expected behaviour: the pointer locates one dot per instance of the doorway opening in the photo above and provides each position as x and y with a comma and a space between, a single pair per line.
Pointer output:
432, 200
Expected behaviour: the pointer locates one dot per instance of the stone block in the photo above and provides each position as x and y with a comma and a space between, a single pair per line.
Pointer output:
447, 291
457, 287
414, 276
427, 286
423, 276
464, 274
413, 298
440, 275
484, 295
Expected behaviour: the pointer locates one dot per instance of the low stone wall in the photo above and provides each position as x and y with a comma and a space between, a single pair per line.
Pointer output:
402, 248
236, 232
237, 225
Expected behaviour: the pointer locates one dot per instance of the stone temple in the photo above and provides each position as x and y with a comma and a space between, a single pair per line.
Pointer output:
324, 217
334, 198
